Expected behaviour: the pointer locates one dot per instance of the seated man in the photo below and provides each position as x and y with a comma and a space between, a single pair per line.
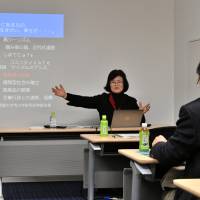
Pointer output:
184, 145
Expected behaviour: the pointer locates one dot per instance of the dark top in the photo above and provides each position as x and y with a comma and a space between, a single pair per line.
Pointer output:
102, 103
184, 145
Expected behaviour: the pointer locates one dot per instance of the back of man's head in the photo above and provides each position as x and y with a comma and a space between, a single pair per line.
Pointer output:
198, 69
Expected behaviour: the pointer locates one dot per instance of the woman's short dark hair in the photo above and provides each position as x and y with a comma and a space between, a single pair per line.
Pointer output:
113, 74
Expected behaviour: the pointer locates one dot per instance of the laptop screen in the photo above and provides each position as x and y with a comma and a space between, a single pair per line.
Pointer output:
126, 118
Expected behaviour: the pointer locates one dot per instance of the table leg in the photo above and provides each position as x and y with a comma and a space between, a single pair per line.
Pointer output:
91, 174
136, 182
1, 185
91, 169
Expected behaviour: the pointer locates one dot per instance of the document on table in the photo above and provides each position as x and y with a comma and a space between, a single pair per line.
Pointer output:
81, 126
128, 135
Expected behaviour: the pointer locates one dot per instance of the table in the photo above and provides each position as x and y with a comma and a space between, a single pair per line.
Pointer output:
37, 151
37, 130
136, 156
96, 144
140, 164
189, 185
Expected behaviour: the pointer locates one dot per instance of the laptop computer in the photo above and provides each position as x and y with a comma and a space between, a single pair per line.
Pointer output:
126, 118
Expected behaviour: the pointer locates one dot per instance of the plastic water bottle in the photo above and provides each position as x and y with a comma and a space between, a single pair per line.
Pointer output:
52, 122
104, 126
144, 139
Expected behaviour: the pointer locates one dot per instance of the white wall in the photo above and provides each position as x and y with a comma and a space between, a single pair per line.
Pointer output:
134, 35
187, 29
137, 36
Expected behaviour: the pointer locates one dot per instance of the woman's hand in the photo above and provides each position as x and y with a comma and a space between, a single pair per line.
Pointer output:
145, 108
59, 91
157, 139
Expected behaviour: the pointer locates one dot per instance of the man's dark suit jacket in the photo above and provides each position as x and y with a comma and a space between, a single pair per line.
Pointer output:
184, 145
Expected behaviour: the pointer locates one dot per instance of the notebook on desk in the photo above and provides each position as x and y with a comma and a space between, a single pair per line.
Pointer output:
126, 118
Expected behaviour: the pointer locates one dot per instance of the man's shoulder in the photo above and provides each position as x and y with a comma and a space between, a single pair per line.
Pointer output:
193, 104
192, 108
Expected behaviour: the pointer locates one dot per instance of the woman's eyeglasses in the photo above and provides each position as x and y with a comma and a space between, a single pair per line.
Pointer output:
116, 82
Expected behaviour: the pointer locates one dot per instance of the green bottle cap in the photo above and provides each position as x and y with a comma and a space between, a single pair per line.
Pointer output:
144, 125
104, 117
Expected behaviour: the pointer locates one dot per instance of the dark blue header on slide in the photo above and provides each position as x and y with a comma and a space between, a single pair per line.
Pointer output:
31, 25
